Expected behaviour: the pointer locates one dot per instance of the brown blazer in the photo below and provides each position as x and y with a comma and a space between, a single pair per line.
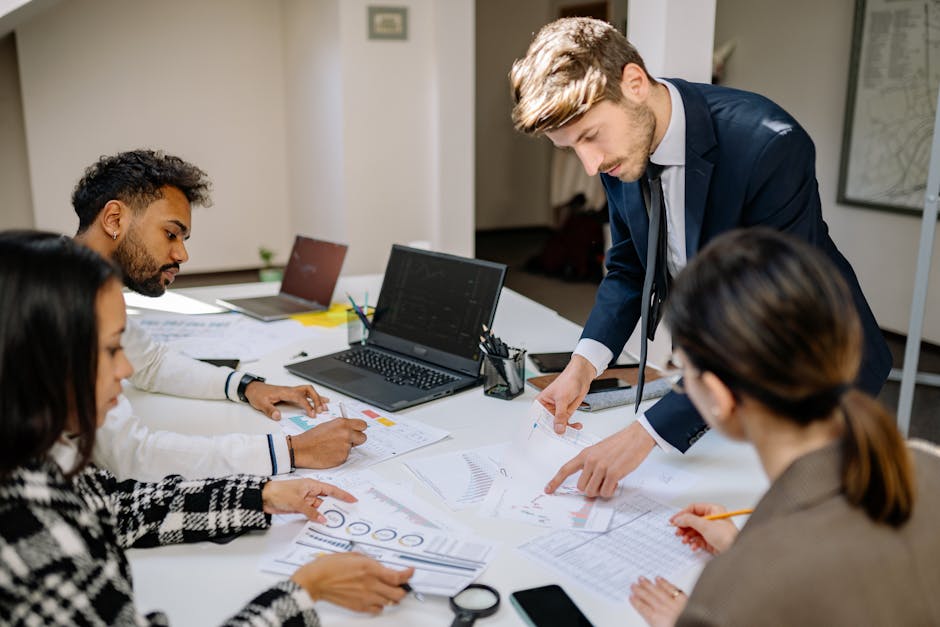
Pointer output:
807, 557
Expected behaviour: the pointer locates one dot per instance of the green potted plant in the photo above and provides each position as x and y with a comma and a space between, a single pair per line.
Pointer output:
268, 272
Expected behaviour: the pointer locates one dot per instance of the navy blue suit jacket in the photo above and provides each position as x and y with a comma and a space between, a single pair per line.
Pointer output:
748, 162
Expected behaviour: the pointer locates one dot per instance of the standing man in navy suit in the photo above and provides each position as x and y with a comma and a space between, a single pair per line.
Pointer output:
705, 160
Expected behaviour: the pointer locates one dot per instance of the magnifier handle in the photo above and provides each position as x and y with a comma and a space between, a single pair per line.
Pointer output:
463, 619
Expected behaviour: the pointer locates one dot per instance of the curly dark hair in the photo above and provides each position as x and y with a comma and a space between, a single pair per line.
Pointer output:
136, 177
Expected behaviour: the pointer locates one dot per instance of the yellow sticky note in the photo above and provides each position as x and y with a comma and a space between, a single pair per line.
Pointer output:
332, 317
386, 422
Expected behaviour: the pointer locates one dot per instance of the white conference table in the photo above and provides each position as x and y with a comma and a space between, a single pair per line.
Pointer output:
203, 584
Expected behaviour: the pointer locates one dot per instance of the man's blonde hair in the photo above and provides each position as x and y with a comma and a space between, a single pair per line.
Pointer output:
571, 65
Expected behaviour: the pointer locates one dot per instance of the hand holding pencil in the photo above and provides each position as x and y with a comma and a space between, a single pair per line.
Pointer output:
706, 526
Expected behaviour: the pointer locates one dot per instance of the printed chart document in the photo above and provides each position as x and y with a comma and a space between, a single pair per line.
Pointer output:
640, 540
393, 527
534, 456
386, 437
222, 336
461, 478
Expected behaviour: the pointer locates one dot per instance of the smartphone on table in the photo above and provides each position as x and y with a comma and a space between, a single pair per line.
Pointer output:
609, 383
556, 362
548, 606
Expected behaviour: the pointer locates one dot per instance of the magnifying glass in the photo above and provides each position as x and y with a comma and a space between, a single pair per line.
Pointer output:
473, 602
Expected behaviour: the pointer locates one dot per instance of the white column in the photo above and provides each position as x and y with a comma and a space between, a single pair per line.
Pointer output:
674, 37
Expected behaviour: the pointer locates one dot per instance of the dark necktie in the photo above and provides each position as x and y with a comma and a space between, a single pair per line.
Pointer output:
656, 281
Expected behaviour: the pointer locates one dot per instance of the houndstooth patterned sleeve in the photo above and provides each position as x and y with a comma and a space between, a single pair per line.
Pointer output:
176, 510
284, 604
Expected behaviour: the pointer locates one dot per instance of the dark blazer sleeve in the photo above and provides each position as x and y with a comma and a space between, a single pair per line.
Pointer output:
617, 304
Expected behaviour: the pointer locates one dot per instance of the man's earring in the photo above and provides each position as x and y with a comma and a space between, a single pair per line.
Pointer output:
114, 235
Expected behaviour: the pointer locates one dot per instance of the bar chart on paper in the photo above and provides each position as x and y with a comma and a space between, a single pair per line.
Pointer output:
386, 437
460, 478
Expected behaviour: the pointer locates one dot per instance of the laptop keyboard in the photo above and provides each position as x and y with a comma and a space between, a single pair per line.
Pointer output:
395, 370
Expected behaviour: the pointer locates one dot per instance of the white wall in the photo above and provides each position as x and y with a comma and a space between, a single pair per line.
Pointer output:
453, 220
388, 133
315, 115
202, 80
303, 124
797, 53
15, 201
381, 131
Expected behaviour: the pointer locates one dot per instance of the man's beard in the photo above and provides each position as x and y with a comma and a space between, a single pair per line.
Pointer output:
633, 163
141, 271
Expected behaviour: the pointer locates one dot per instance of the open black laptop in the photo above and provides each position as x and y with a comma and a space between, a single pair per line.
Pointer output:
309, 280
425, 335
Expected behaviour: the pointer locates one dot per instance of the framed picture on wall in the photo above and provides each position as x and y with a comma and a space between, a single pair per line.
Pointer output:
894, 76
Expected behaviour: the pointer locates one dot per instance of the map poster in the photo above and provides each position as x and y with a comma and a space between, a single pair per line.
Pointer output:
891, 104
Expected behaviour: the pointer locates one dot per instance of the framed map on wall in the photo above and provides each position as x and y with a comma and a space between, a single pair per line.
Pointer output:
892, 98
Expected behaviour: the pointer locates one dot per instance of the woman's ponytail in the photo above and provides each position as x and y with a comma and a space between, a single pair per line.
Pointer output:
877, 473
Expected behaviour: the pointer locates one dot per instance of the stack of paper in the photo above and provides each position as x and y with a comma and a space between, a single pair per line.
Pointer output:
534, 456
395, 528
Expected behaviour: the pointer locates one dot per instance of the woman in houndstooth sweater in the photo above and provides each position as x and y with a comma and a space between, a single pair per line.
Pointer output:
64, 524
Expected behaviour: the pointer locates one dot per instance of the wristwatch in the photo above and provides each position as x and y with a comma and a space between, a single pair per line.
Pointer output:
243, 384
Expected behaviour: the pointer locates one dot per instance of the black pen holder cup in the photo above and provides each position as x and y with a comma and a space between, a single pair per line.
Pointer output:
504, 377
356, 331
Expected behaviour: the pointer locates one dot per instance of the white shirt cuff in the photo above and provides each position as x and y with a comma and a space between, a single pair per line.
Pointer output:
281, 454
231, 385
661, 443
595, 352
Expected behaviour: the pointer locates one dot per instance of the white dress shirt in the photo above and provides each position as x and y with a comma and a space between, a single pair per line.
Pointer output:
670, 153
129, 449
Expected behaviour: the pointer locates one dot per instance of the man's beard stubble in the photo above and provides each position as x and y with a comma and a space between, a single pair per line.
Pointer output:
141, 271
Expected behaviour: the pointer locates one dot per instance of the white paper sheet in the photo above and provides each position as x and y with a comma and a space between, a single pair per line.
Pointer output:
640, 541
223, 336
534, 456
461, 478
386, 437
391, 526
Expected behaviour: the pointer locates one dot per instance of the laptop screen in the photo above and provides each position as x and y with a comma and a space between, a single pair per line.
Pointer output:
437, 301
313, 269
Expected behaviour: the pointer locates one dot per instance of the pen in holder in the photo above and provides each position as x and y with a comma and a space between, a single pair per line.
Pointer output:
504, 377
358, 324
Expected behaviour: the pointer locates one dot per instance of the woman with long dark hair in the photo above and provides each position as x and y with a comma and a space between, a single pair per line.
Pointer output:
64, 524
769, 343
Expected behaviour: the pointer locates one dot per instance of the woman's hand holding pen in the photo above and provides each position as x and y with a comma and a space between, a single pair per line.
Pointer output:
692, 526
300, 496
353, 581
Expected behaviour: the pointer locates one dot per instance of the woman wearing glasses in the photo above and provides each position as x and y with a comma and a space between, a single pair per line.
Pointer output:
847, 534
64, 525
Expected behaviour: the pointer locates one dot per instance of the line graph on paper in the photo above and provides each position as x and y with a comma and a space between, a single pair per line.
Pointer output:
564, 511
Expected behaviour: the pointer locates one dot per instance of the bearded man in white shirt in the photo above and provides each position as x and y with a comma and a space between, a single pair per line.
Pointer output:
135, 209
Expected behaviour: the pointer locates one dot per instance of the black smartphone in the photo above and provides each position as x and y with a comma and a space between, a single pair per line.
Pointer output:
556, 362
548, 606
231, 363
603, 385
550, 362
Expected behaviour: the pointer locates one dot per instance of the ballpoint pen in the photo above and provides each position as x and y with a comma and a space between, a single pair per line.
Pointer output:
407, 588
360, 313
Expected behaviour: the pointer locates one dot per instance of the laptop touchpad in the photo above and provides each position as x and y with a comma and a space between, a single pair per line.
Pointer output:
341, 375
